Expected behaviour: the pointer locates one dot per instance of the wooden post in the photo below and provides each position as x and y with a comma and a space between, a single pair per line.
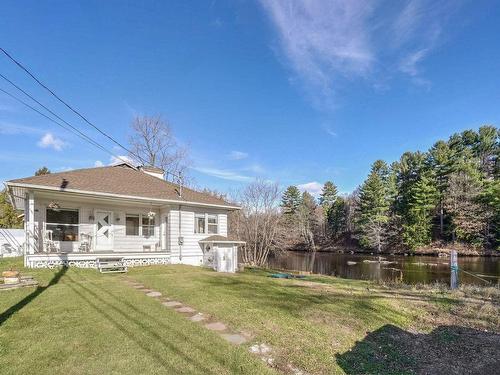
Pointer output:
453, 270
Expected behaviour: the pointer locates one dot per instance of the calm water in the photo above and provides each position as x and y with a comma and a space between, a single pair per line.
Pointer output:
409, 269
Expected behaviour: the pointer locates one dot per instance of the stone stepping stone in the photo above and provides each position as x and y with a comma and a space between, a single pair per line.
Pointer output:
185, 309
138, 286
154, 294
146, 290
217, 326
172, 304
234, 338
198, 317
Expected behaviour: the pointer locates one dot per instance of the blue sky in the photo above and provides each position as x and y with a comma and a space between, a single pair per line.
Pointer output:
294, 91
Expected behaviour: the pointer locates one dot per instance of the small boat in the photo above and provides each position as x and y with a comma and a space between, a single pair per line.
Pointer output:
351, 263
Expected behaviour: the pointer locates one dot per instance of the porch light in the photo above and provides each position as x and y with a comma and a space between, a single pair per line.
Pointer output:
54, 205
151, 214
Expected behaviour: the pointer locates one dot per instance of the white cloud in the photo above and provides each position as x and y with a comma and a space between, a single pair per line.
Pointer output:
50, 141
120, 159
323, 37
326, 41
12, 129
98, 163
237, 155
314, 188
224, 174
328, 129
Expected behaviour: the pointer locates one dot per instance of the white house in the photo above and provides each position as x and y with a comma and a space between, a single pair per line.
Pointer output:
77, 217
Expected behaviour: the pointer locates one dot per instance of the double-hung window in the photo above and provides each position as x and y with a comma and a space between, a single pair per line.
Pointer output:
204, 223
148, 226
199, 223
213, 226
139, 225
63, 223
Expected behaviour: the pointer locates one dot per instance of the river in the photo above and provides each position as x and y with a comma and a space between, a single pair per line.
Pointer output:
408, 269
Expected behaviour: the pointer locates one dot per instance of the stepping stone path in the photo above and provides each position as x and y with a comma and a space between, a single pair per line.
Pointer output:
234, 338
263, 351
217, 326
185, 309
198, 317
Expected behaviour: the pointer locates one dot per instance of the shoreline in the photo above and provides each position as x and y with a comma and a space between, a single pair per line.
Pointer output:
438, 252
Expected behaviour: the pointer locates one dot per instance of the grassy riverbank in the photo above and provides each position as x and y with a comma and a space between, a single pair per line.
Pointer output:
320, 325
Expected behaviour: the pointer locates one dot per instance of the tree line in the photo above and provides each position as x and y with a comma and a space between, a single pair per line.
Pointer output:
449, 194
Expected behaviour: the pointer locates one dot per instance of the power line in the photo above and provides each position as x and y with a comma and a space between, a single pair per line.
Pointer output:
69, 106
80, 134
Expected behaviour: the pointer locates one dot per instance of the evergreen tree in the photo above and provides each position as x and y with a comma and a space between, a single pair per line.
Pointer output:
373, 210
8, 216
290, 201
327, 199
42, 171
421, 203
440, 161
337, 218
328, 196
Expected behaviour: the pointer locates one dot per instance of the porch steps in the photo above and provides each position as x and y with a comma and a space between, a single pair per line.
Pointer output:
111, 265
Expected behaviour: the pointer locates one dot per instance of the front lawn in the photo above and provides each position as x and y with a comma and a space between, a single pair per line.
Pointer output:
82, 322
85, 322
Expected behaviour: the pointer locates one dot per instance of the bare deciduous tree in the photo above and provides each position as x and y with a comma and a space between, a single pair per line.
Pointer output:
258, 221
154, 143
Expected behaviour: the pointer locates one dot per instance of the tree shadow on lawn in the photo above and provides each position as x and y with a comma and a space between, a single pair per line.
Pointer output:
145, 330
30, 297
446, 350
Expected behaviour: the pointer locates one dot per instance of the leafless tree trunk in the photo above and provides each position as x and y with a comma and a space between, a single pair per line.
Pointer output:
153, 142
258, 221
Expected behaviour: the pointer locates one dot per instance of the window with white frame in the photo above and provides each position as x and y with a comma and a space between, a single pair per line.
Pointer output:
199, 223
148, 225
63, 223
131, 225
205, 223
213, 225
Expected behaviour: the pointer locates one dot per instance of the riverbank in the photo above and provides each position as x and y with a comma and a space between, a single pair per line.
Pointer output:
438, 251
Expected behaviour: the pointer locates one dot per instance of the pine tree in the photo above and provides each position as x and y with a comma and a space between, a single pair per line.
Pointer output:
337, 218
440, 161
373, 211
327, 199
421, 203
290, 201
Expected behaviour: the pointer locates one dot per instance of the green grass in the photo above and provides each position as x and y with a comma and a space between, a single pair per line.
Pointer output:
92, 323
87, 323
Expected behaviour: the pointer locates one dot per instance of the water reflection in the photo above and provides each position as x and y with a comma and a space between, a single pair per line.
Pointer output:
409, 269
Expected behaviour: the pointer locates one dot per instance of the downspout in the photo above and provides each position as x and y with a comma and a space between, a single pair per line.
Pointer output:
181, 240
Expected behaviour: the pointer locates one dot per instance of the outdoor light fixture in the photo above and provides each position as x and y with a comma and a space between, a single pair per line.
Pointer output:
54, 205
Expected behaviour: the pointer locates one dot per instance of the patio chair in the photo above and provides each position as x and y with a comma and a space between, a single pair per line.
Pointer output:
85, 243
49, 245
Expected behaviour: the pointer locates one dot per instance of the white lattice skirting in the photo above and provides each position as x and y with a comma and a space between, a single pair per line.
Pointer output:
91, 263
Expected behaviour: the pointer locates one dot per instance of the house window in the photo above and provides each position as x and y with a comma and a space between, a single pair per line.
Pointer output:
148, 226
132, 225
199, 223
212, 224
63, 224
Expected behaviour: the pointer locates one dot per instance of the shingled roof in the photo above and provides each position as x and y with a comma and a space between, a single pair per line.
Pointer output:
119, 180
